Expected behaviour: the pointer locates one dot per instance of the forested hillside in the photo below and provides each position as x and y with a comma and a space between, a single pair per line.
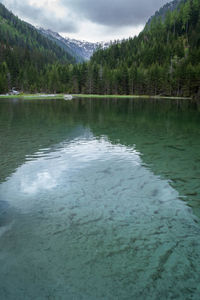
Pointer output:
162, 12
61, 42
164, 59
25, 54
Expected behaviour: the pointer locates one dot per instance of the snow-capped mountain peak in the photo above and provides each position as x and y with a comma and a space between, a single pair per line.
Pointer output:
81, 50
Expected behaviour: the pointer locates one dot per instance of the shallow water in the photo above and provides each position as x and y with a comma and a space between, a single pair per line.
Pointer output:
99, 199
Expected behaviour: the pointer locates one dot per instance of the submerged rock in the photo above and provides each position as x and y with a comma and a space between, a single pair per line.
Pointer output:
5, 217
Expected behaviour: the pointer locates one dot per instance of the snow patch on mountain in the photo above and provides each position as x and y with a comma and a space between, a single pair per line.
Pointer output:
81, 50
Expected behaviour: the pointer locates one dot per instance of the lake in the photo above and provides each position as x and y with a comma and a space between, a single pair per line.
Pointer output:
99, 199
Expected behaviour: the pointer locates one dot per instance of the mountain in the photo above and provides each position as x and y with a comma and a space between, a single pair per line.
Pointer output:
24, 52
85, 49
80, 50
163, 60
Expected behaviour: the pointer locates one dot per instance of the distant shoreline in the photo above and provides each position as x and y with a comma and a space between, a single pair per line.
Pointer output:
62, 96
130, 96
33, 96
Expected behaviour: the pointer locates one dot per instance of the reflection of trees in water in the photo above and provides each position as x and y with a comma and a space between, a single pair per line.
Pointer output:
166, 132
167, 136
27, 126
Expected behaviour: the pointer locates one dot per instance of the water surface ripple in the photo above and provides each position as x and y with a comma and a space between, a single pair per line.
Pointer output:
85, 215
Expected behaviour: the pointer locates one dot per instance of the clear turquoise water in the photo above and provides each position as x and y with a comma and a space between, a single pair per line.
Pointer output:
99, 199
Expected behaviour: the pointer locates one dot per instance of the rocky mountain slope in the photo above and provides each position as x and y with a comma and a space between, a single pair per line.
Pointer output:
81, 50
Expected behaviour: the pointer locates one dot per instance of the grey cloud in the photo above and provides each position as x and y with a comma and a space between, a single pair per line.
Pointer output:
41, 17
113, 14
117, 13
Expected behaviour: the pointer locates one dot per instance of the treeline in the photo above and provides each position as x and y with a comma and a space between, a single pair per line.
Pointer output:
163, 60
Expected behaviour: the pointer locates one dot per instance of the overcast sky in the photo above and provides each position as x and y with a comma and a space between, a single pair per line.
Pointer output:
91, 20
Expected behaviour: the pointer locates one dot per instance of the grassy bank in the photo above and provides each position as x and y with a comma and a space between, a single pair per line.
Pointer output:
129, 96
33, 96
61, 96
